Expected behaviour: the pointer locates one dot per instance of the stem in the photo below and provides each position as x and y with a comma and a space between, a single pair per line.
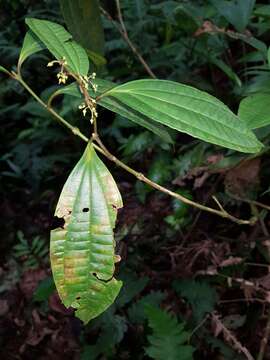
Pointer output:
264, 341
90, 102
223, 213
230, 337
123, 31
73, 129
102, 149
248, 201
198, 327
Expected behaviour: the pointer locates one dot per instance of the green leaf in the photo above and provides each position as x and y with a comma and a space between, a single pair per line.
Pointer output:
226, 69
186, 109
226, 351
4, 70
263, 11
44, 290
186, 19
250, 40
122, 109
60, 43
136, 312
200, 295
83, 20
97, 59
132, 287
169, 338
117, 107
82, 250
254, 110
31, 45
112, 330
236, 12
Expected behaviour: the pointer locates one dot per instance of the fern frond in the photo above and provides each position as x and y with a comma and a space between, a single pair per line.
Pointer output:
169, 338
199, 294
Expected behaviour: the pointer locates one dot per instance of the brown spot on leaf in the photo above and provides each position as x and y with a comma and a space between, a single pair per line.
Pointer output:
30, 281
114, 207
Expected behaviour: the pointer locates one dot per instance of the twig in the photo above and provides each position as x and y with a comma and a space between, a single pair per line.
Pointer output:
242, 300
264, 339
249, 201
102, 149
193, 225
229, 337
209, 27
123, 31
223, 213
76, 131
199, 326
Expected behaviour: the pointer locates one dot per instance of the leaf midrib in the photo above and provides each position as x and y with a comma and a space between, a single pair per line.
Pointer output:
141, 96
219, 139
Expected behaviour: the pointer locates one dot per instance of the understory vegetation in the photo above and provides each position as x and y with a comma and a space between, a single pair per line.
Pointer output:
188, 275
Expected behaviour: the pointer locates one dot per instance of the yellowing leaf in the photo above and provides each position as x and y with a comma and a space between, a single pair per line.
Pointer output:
82, 248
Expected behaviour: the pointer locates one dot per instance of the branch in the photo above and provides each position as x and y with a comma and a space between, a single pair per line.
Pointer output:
249, 201
102, 149
223, 213
123, 31
229, 336
265, 339
76, 131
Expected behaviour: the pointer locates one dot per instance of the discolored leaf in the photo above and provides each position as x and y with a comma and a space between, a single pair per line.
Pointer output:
60, 43
188, 110
82, 250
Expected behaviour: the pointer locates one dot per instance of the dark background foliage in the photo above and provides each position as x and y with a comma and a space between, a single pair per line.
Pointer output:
212, 274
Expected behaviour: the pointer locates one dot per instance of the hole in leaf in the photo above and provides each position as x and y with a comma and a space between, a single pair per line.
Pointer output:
103, 280
85, 209
78, 298
57, 222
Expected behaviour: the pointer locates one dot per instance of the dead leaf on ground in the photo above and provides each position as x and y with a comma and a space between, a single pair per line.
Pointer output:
57, 306
30, 281
231, 261
4, 307
243, 178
